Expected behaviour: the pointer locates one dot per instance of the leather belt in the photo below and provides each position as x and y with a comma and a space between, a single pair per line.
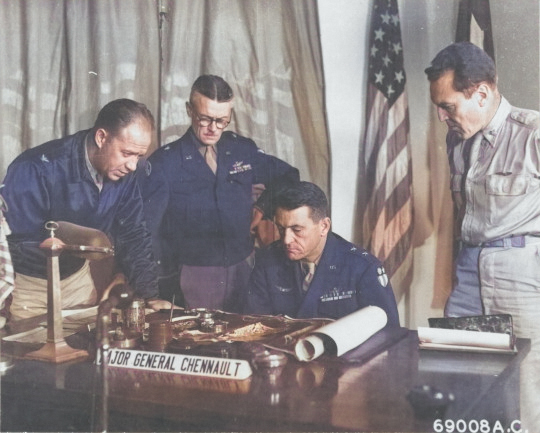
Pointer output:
512, 241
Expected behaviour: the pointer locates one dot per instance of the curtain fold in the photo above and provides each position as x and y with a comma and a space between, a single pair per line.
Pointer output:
112, 51
32, 76
269, 53
65, 59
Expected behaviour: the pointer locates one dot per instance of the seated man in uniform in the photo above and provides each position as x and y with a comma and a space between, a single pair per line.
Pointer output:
84, 179
312, 272
198, 202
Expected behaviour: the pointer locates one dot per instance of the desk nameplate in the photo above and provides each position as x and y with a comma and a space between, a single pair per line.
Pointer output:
225, 368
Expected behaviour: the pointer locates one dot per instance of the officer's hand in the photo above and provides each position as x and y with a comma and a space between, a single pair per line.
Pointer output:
264, 231
159, 304
256, 218
117, 279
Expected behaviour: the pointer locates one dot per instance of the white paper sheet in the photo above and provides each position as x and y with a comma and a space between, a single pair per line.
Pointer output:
347, 333
440, 338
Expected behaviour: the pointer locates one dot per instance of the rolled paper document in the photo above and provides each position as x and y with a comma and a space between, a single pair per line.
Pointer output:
346, 333
458, 337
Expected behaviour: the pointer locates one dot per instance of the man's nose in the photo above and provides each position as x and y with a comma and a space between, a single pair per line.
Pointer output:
443, 115
287, 237
213, 126
131, 165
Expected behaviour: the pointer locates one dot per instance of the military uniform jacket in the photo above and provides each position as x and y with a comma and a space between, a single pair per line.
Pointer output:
201, 219
498, 191
51, 182
346, 279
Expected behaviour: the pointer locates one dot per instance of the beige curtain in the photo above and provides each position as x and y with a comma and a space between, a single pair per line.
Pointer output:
64, 59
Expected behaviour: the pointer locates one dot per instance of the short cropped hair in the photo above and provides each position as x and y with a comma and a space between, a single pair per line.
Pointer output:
120, 113
304, 194
471, 66
213, 87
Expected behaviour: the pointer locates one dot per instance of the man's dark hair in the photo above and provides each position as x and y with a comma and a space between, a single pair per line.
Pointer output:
213, 87
304, 194
471, 66
120, 113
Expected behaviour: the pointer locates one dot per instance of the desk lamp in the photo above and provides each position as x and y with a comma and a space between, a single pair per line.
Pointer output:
84, 242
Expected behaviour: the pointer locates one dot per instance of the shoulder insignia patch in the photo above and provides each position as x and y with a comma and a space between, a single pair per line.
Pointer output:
44, 158
382, 277
526, 117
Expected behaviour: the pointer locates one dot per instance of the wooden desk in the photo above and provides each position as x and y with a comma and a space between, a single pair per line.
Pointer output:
325, 395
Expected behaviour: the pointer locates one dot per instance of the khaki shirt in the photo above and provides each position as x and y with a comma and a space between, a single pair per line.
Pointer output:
500, 195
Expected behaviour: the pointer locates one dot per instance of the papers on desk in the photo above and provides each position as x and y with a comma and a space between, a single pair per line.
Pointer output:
74, 321
344, 334
469, 334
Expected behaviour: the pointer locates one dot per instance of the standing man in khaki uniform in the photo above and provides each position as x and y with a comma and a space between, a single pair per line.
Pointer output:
494, 154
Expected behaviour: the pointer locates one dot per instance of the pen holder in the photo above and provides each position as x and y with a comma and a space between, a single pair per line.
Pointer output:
159, 335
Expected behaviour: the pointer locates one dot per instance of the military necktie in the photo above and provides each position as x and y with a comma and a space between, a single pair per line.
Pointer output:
210, 157
309, 270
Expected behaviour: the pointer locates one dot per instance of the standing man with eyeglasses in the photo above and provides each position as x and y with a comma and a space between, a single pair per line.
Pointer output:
198, 202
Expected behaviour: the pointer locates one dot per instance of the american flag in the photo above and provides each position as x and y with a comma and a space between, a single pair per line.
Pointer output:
474, 24
388, 216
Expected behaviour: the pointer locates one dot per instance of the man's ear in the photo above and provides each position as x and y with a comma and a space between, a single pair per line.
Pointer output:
325, 226
100, 137
482, 93
188, 109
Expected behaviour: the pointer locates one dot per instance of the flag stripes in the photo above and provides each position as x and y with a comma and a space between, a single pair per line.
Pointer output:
388, 215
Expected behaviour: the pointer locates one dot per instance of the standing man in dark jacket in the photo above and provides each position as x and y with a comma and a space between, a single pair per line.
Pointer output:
85, 179
198, 202
312, 272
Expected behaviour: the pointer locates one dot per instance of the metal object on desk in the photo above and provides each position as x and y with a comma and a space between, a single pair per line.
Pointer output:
56, 349
207, 321
125, 339
134, 316
159, 335
117, 317
84, 242
270, 364
220, 326
250, 350
429, 402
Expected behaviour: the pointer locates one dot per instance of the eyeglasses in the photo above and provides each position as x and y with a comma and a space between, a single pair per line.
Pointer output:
207, 121
221, 123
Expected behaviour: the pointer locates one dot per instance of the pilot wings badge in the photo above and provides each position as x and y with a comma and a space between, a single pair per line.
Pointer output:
382, 277
239, 167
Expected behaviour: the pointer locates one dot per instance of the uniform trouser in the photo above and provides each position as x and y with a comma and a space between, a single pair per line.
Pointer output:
510, 284
465, 299
507, 282
216, 287
30, 293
